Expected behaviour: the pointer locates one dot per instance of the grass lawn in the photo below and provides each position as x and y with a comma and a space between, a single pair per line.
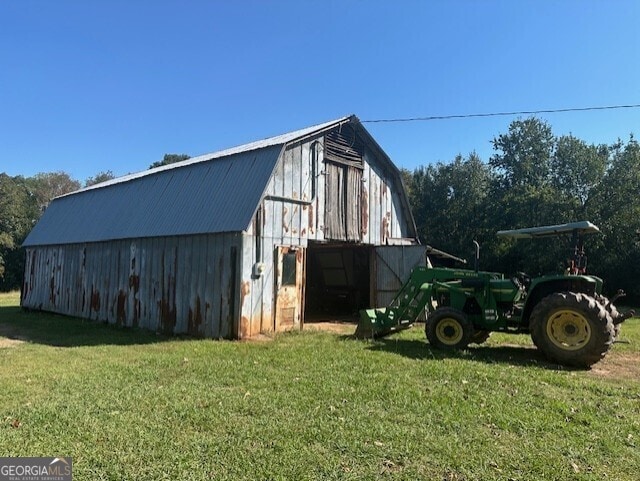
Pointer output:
128, 404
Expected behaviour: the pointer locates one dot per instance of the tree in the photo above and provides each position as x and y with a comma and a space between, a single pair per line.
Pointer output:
18, 213
99, 178
577, 168
450, 203
615, 208
535, 178
523, 155
407, 181
169, 159
21, 204
47, 186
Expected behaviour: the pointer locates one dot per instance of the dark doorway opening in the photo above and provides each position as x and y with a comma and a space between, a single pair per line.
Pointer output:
338, 281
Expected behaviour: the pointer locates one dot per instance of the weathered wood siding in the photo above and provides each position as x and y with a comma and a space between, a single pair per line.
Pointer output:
187, 284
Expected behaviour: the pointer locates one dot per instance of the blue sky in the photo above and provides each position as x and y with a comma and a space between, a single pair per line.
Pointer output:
90, 86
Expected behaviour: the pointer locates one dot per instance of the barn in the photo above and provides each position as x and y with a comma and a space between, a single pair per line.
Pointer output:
308, 225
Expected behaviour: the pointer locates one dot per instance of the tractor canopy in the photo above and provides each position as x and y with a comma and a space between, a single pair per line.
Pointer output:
580, 228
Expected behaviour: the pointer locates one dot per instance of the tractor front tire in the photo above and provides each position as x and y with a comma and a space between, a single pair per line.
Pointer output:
449, 328
571, 328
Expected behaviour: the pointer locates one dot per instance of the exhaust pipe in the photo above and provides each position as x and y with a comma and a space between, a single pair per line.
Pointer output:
477, 259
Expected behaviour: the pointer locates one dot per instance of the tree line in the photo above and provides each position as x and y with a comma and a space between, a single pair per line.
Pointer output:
533, 178
536, 178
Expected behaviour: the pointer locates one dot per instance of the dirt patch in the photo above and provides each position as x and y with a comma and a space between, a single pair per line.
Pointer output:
331, 326
258, 338
623, 365
6, 342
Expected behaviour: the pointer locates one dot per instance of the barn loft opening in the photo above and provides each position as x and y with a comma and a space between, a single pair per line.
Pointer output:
338, 281
343, 145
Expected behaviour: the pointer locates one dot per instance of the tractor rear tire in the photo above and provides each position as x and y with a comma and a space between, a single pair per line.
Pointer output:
449, 328
613, 312
571, 328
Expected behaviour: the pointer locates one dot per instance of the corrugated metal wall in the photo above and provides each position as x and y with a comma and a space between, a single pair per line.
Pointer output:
293, 210
293, 213
186, 284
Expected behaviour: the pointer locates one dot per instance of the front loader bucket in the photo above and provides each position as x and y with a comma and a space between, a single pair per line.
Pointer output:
365, 329
376, 323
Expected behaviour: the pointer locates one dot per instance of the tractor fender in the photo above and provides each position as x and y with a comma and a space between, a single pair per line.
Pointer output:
543, 286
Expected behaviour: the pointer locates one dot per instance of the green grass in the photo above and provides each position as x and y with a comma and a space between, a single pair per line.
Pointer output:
129, 404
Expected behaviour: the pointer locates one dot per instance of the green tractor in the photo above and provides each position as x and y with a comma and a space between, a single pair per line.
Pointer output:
567, 316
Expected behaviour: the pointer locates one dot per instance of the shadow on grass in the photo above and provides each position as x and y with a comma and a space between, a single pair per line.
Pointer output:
505, 354
63, 331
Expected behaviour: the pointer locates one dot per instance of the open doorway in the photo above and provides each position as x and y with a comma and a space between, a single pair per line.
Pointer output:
338, 281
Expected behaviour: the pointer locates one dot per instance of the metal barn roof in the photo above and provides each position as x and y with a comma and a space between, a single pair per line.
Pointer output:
217, 192
260, 144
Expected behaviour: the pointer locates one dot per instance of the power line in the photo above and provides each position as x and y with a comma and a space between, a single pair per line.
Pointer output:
501, 114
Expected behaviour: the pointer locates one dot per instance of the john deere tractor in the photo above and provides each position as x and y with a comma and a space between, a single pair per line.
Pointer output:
566, 314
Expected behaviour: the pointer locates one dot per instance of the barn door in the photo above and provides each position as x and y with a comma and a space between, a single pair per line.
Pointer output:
392, 266
290, 265
343, 193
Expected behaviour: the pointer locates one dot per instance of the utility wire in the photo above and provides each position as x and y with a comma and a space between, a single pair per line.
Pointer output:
499, 114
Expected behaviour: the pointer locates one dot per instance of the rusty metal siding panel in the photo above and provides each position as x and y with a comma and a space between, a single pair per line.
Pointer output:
287, 192
164, 284
182, 281
375, 210
133, 298
250, 318
112, 293
219, 290
195, 292
219, 294
141, 264
156, 269
307, 183
29, 274
258, 305
296, 193
397, 230
289, 204
267, 300
383, 216
209, 286
198, 313
316, 212
278, 190
228, 287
